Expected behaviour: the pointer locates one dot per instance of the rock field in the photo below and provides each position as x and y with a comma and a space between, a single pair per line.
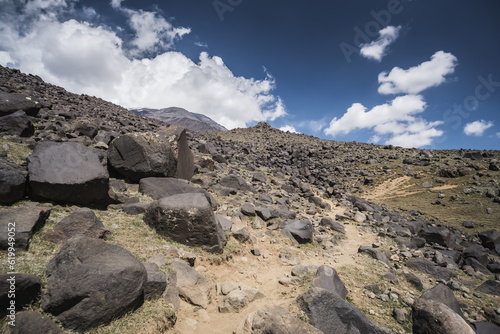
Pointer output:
118, 223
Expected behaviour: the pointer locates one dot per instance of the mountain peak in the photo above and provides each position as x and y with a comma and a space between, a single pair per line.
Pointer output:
180, 116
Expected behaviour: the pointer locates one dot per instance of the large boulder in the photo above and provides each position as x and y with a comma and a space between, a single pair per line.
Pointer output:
328, 312
139, 155
91, 282
156, 282
12, 102
82, 221
12, 184
17, 124
432, 317
159, 187
20, 224
274, 319
26, 288
187, 219
67, 173
441, 293
476, 252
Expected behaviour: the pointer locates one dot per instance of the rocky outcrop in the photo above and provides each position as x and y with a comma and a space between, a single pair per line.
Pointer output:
91, 282
188, 219
67, 173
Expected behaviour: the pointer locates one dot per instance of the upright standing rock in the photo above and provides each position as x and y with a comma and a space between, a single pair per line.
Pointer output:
67, 173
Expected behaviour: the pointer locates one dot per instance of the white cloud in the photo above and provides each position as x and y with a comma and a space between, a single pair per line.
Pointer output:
378, 48
396, 122
152, 32
418, 78
288, 128
477, 128
498, 134
94, 60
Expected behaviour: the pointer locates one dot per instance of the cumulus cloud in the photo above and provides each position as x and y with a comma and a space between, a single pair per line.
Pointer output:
394, 123
153, 33
378, 49
288, 128
418, 78
477, 128
88, 58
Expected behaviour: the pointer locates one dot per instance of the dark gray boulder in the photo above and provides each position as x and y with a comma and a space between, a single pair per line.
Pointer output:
28, 322
328, 312
439, 235
414, 280
21, 223
83, 222
12, 102
432, 317
67, 173
442, 294
91, 282
431, 268
236, 182
139, 155
276, 320
188, 219
159, 187
490, 287
26, 288
266, 213
477, 252
156, 282
248, 210
328, 279
12, 184
300, 230
17, 124
489, 238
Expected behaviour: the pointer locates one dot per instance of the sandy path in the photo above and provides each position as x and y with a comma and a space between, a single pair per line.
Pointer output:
264, 274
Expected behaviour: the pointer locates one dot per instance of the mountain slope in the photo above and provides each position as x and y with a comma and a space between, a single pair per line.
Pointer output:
178, 116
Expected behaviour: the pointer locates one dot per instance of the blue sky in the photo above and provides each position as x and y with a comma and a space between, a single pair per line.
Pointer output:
416, 73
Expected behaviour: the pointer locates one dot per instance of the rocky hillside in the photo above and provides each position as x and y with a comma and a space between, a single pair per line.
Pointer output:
111, 222
178, 116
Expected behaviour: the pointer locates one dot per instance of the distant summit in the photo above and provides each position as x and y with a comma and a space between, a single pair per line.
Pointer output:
178, 116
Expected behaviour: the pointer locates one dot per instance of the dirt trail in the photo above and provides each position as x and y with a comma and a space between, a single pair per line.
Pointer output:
264, 274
